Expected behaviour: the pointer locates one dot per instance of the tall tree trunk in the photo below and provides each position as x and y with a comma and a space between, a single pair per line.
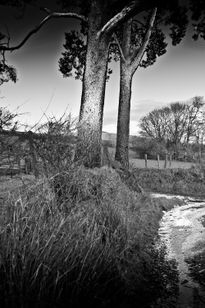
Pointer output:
130, 60
88, 149
123, 125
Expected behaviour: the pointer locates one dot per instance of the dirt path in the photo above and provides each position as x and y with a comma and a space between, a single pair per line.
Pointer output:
182, 230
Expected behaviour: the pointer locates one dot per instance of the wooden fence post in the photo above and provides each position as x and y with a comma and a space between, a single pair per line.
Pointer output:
105, 157
170, 160
145, 158
165, 162
33, 154
158, 160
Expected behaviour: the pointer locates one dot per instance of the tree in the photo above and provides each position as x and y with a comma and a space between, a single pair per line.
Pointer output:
101, 25
140, 46
130, 42
131, 52
173, 125
101, 19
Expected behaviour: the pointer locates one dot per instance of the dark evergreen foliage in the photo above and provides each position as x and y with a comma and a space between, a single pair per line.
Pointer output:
198, 16
172, 16
7, 73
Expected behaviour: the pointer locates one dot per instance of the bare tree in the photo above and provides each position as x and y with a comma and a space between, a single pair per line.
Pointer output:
175, 124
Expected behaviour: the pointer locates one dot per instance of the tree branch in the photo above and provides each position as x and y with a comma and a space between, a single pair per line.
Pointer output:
38, 27
137, 57
126, 13
119, 47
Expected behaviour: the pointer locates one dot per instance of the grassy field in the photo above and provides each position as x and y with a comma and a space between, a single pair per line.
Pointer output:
140, 163
151, 163
181, 181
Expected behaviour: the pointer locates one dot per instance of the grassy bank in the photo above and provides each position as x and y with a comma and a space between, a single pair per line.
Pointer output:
172, 181
82, 237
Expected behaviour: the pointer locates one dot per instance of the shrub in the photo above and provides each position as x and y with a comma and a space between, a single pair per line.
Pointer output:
55, 144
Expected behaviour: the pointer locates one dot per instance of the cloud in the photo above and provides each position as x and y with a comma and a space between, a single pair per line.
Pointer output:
110, 128
139, 109
110, 118
143, 107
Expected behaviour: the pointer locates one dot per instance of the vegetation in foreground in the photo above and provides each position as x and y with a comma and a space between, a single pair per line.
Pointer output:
82, 238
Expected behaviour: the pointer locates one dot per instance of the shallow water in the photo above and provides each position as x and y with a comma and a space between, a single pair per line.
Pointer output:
183, 232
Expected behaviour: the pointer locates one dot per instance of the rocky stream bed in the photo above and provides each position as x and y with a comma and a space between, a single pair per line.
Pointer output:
182, 231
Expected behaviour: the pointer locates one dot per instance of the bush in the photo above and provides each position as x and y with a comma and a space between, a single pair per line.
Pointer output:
96, 247
55, 144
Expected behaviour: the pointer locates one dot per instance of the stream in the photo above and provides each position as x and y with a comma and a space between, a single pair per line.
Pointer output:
182, 231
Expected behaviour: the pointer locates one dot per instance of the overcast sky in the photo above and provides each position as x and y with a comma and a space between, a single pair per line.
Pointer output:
176, 76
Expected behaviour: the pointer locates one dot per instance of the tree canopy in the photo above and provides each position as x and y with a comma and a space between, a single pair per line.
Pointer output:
72, 61
197, 8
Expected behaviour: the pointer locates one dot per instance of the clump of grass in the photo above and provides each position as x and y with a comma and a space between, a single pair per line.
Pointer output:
82, 237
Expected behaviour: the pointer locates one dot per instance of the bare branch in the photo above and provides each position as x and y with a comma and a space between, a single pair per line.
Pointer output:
137, 57
121, 16
119, 47
38, 27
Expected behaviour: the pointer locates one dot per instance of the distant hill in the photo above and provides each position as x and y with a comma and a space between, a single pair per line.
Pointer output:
111, 137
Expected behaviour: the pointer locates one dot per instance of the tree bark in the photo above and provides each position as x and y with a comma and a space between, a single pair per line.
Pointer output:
88, 149
123, 124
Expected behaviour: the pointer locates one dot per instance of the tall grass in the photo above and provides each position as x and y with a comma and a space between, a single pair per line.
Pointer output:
82, 237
